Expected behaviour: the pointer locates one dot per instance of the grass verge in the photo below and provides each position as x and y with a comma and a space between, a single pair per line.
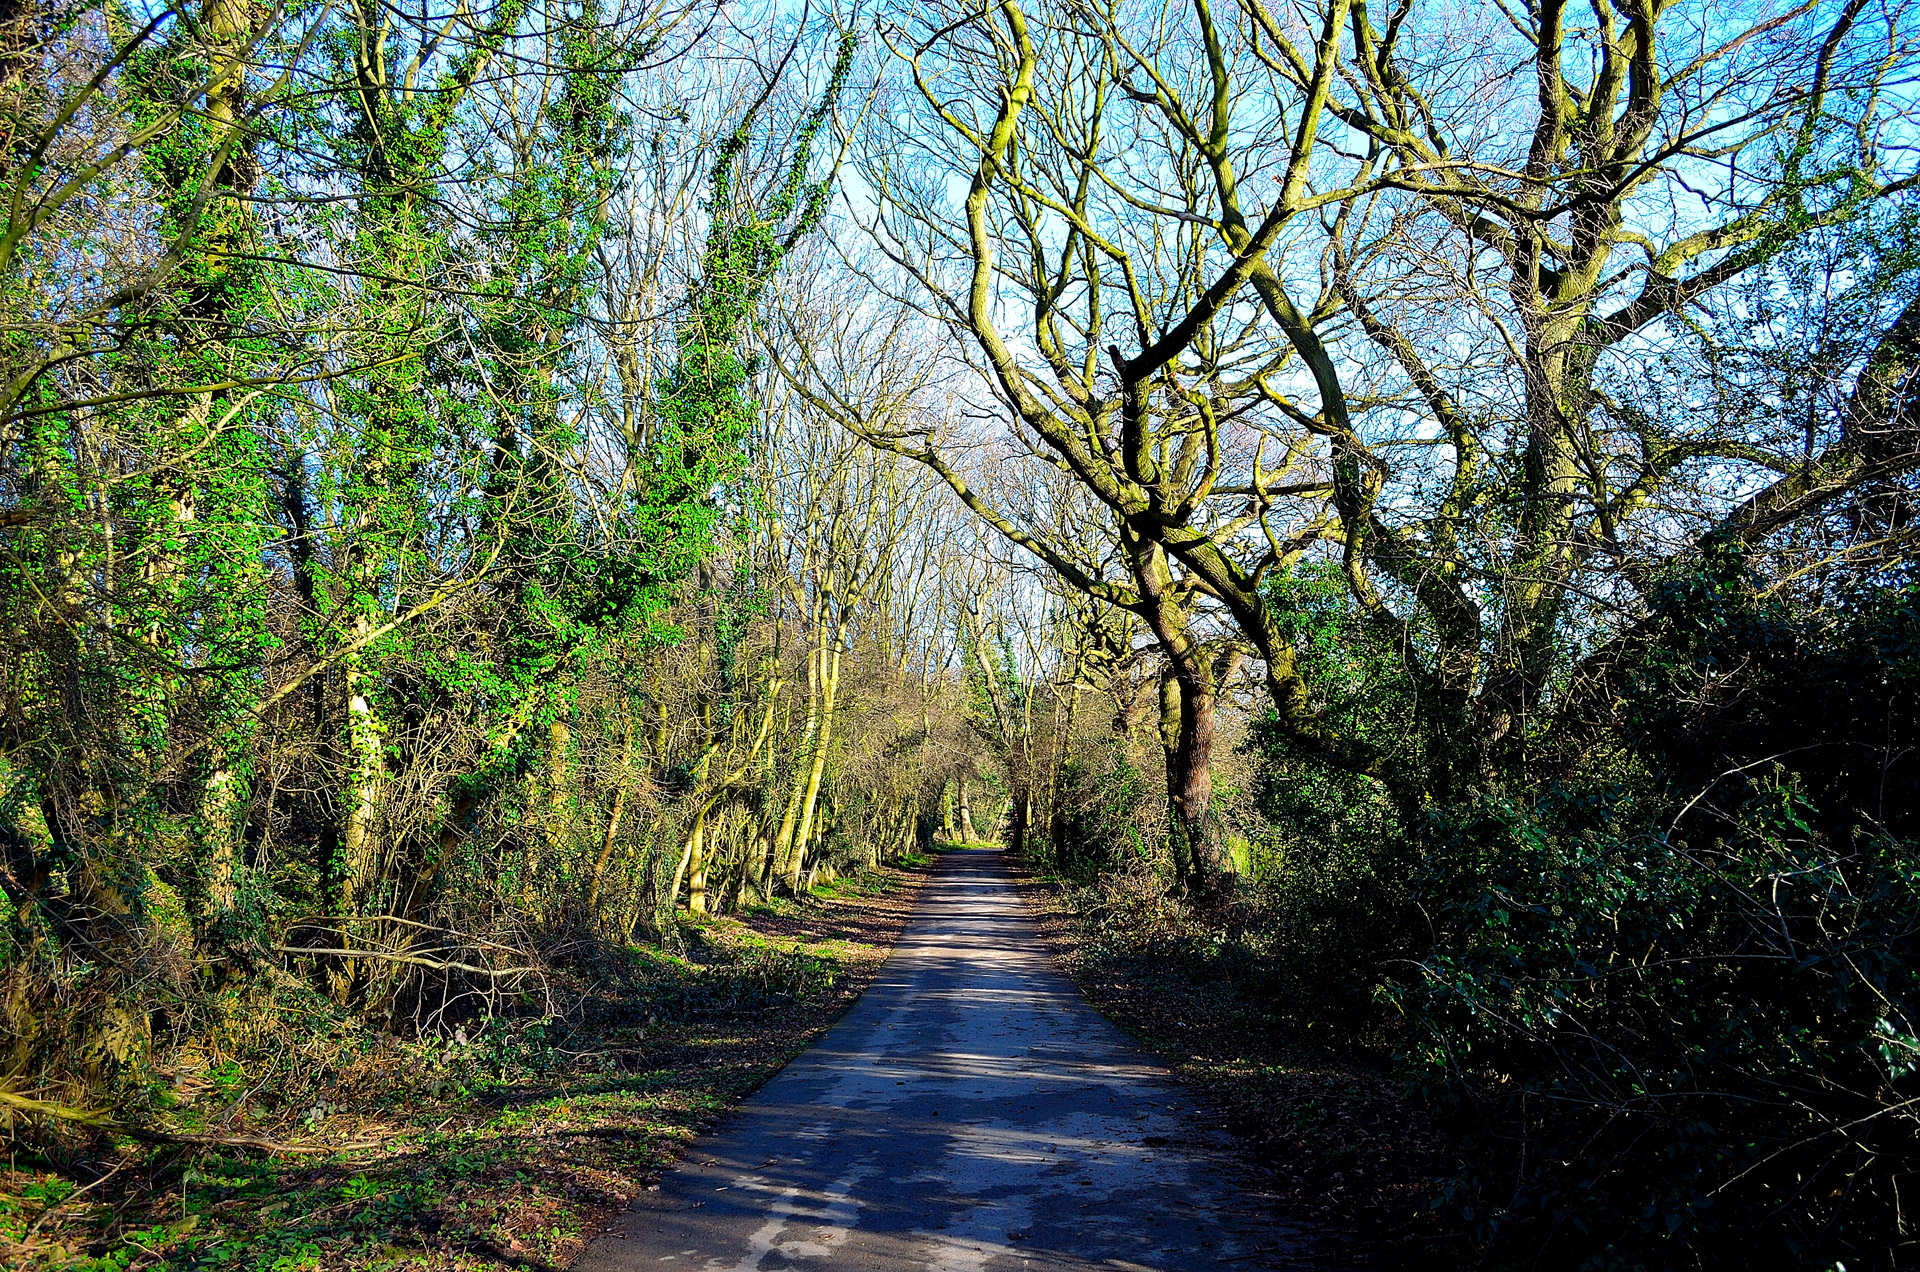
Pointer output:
1328, 1128
509, 1148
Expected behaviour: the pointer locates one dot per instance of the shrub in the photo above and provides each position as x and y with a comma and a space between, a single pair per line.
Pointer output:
1653, 1044
1672, 1002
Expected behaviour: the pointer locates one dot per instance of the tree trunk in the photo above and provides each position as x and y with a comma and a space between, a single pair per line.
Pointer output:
823, 736
694, 862
782, 849
613, 819
364, 762
1188, 699
220, 805
1057, 753
966, 814
559, 775
1179, 775
1021, 819
354, 872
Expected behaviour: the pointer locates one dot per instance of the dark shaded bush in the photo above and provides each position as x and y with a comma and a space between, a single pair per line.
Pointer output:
1673, 1006
1661, 1050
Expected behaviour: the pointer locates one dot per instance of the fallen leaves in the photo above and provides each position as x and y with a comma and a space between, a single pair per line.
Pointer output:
1328, 1134
523, 1171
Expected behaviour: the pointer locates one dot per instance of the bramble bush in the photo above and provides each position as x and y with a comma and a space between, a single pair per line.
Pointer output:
1663, 991
1654, 1046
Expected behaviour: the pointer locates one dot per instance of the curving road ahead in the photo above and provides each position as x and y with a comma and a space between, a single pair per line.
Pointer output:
970, 1114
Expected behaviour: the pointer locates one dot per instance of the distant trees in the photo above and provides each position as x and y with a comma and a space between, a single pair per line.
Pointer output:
875, 371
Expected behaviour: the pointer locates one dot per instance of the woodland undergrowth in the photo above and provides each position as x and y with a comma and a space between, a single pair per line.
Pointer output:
1328, 1127
507, 1145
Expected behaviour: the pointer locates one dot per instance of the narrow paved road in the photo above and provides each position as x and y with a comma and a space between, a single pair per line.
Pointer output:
971, 1113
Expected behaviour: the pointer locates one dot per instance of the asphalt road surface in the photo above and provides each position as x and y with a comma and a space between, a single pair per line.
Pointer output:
970, 1114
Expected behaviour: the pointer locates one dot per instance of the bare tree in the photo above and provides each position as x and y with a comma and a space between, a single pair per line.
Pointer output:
1325, 284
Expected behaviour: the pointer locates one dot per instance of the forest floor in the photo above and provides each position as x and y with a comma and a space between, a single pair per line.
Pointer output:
507, 1150
1328, 1131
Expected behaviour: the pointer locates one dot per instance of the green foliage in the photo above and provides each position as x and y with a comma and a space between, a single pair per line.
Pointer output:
309, 562
703, 413
1333, 886
1683, 1047
1677, 1019
1098, 808
1666, 1002
1365, 690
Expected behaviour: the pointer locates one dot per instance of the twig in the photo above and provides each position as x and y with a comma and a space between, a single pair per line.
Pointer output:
433, 964
150, 1135
75, 1195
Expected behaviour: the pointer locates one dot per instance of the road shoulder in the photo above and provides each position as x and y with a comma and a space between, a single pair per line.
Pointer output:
1328, 1136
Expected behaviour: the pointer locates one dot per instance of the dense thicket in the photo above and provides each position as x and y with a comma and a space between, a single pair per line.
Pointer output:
1665, 998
